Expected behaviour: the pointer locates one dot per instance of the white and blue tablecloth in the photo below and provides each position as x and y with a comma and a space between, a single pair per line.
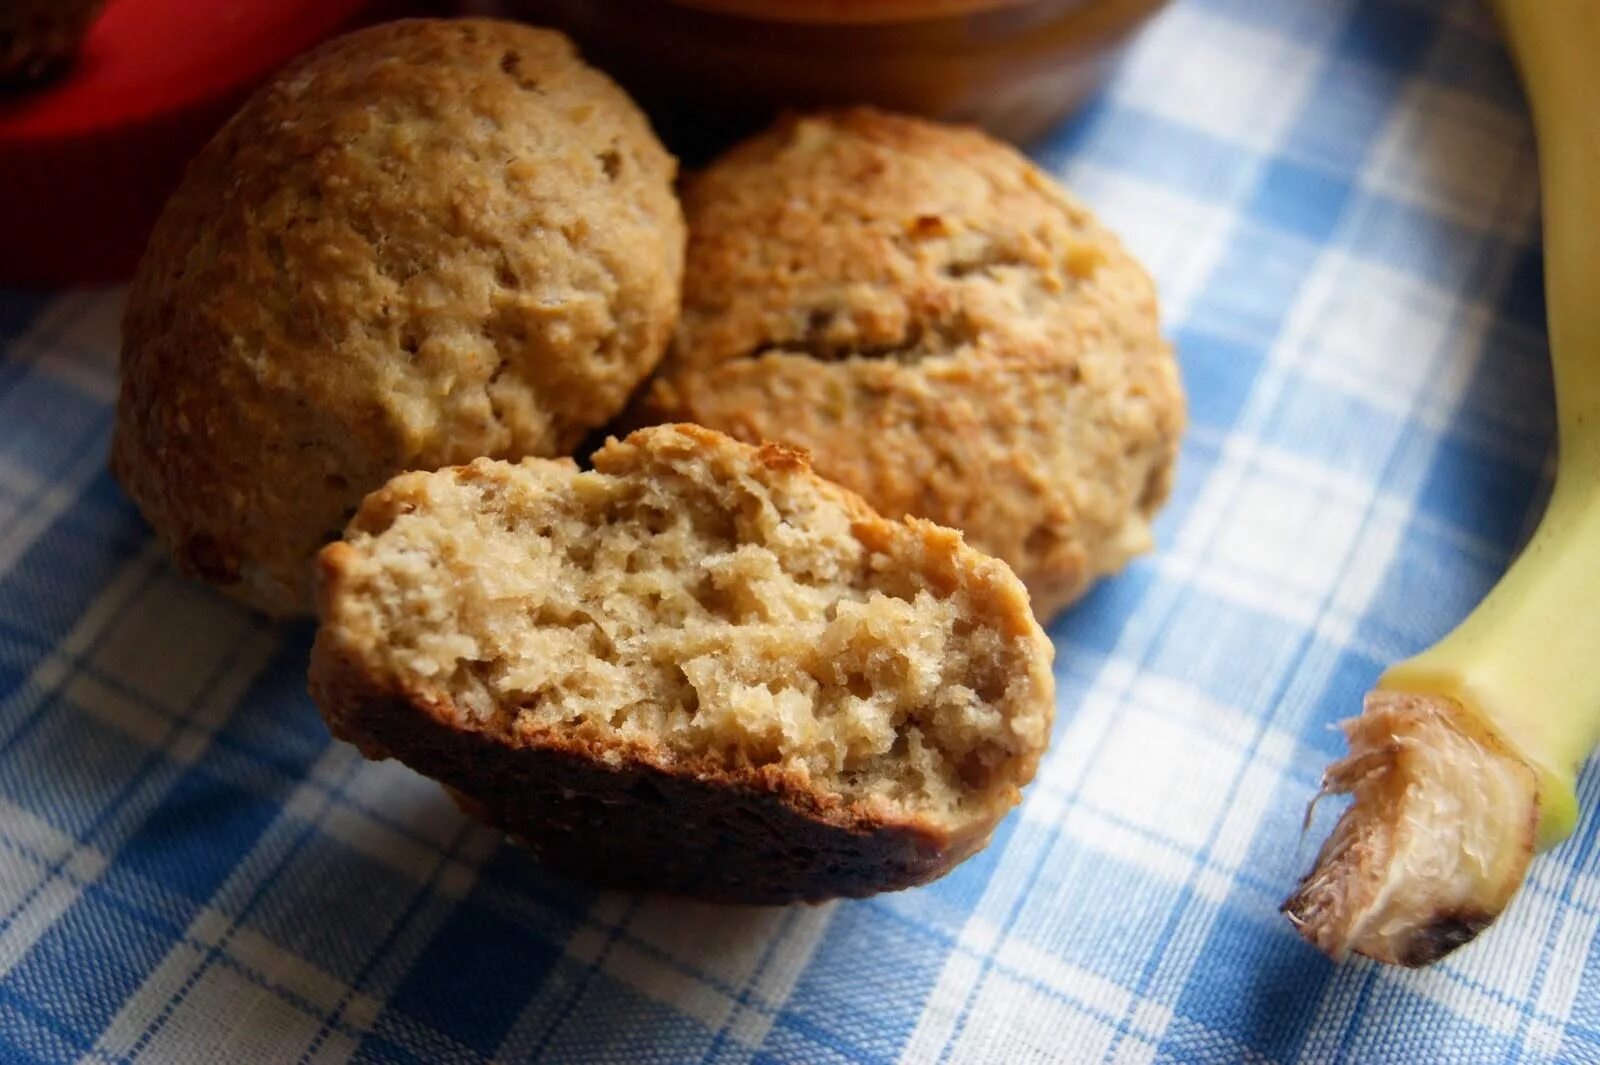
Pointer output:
1339, 200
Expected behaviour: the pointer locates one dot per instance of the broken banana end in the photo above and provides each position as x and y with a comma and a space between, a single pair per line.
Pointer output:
1443, 822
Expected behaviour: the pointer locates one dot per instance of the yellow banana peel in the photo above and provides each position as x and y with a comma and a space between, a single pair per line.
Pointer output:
1464, 759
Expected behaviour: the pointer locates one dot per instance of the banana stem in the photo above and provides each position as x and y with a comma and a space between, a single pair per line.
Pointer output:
1522, 662
1465, 758
1555, 44
1435, 843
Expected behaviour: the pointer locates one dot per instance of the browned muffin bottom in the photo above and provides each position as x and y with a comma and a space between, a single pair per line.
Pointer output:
37, 37
946, 330
423, 242
698, 668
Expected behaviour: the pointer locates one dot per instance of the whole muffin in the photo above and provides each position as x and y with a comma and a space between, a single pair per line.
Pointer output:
946, 331
37, 36
422, 243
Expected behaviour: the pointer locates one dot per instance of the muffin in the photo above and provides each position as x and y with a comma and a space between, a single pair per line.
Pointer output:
37, 37
698, 668
942, 327
422, 243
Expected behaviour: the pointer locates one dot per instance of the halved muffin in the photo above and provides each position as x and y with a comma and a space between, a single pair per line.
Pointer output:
697, 668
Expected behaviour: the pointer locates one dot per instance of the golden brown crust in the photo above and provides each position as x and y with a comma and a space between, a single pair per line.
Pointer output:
644, 812
945, 330
632, 818
421, 243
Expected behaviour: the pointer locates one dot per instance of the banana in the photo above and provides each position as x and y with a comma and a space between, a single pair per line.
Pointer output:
1464, 759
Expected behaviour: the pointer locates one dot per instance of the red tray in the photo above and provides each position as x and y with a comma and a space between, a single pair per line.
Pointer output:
87, 160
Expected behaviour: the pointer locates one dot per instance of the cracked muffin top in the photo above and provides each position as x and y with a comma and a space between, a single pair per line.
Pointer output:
946, 330
422, 243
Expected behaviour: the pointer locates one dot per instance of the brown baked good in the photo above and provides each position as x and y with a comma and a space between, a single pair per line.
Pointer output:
698, 668
424, 242
38, 36
943, 328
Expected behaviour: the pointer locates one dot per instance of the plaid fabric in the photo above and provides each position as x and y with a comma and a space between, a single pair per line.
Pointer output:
1339, 200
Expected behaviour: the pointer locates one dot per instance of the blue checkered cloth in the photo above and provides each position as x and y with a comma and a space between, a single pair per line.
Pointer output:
1338, 198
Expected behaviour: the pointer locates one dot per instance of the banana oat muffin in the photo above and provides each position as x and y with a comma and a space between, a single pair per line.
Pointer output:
421, 243
38, 36
942, 327
697, 668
